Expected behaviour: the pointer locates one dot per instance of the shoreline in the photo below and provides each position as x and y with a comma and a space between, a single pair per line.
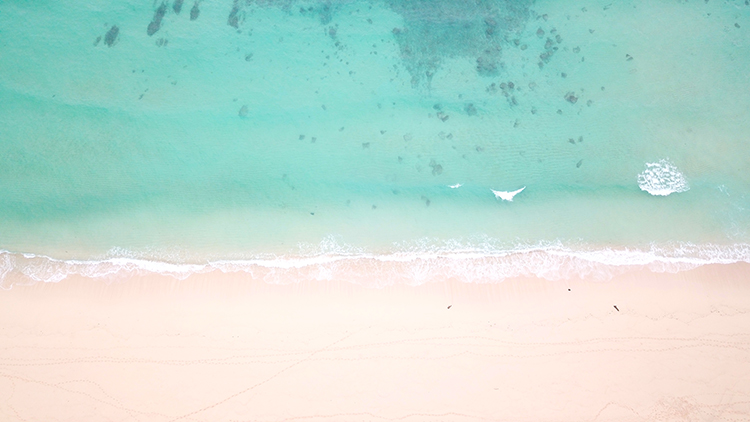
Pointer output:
225, 347
442, 262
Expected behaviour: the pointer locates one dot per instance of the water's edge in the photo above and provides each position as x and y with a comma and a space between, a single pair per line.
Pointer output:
408, 265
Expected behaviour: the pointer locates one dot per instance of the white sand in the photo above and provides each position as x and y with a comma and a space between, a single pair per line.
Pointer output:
225, 348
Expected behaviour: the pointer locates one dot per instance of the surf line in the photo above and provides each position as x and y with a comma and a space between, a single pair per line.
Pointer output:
506, 196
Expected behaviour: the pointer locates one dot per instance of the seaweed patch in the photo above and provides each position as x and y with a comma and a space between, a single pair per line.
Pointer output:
155, 24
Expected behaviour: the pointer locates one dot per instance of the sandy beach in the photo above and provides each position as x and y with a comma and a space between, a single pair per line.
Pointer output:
640, 347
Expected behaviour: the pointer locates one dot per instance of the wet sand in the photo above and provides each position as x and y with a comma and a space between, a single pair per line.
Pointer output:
227, 348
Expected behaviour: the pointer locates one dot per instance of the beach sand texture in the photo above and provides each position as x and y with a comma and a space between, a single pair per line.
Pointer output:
225, 348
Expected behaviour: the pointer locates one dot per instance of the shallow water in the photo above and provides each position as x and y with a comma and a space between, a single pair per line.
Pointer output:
251, 131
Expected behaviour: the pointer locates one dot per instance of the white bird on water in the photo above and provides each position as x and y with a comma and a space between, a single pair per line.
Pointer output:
507, 196
456, 186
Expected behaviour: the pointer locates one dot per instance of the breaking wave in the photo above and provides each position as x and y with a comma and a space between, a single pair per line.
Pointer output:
412, 264
662, 178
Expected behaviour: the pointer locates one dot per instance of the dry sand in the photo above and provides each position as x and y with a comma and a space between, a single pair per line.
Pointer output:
225, 348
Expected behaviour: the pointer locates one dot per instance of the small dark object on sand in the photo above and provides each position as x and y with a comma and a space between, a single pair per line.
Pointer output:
449, 306
618, 310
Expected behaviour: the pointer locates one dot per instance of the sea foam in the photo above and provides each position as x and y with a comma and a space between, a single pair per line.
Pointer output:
413, 264
662, 178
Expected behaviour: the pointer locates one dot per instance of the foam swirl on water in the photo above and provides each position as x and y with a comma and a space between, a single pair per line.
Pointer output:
662, 178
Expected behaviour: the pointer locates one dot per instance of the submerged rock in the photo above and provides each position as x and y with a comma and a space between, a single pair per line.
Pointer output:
234, 15
437, 169
571, 97
111, 36
155, 24
195, 12
177, 6
244, 111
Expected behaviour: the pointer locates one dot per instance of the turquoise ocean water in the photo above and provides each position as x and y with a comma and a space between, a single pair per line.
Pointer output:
317, 139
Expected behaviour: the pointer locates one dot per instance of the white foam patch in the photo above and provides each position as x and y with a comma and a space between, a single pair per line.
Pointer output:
413, 264
507, 195
662, 178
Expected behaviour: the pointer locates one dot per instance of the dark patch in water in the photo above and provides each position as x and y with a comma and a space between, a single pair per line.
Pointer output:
111, 37
155, 24
323, 10
161, 42
578, 164
489, 62
436, 30
571, 97
177, 6
234, 15
470, 109
433, 30
96, 41
195, 12
244, 111
437, 169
